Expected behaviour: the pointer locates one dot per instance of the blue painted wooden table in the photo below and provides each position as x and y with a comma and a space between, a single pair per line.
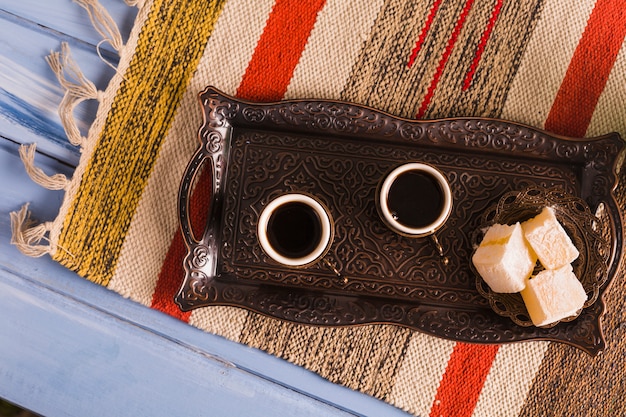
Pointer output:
71, 348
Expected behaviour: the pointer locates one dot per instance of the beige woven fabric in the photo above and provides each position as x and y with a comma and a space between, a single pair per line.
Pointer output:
610, 114
413, 59
534, 87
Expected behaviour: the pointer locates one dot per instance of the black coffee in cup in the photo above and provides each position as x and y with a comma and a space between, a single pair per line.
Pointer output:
415, 199
294, 230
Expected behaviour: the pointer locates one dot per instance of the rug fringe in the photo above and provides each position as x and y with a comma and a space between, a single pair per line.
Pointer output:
135, 3
77, 89
51, 182
103, 22
26, 236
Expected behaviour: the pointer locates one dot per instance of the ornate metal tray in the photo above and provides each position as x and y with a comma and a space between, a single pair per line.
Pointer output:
338, 152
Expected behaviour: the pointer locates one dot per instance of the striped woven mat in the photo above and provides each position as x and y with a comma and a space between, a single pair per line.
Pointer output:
553, 64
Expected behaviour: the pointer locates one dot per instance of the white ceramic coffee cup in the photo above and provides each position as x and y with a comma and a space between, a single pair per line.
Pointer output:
390, 218
325, 224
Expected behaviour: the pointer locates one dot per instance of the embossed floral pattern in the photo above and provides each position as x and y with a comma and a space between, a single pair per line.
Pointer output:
339, 152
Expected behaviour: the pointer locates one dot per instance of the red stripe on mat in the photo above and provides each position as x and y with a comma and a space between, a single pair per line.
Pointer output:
424, 32
267, 78
467, 82
589, 69
172, 272
444, 59
279, 49
463, 380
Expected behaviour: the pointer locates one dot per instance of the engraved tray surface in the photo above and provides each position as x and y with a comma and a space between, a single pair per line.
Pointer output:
338, 152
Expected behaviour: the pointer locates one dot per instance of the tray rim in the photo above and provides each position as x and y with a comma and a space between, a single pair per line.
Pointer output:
216, 159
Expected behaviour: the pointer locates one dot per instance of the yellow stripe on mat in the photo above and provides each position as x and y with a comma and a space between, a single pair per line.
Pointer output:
150, 235
168, 49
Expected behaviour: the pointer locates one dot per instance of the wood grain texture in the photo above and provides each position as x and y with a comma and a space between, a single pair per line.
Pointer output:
29, 91
73, 359
68, 19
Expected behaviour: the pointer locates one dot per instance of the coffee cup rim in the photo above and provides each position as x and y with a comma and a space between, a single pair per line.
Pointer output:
325, 221
385, 212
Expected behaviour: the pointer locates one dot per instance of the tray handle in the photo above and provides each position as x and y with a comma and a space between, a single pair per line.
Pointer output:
184, 197
199, 262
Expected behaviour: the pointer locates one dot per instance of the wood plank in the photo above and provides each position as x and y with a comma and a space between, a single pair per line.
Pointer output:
68, 18
29, 91
57, 317
61, 357
30, 94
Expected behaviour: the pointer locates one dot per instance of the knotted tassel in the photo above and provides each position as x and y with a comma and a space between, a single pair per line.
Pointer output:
26, 236
103, 22
135, 3
77, 89
51, 182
